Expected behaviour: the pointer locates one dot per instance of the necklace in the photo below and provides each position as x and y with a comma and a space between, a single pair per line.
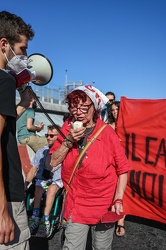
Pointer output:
88, 131
82, 142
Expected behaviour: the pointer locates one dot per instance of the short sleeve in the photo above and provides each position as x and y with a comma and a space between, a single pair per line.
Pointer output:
8, 94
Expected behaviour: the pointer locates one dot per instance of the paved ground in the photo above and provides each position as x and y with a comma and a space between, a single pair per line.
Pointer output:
141, 234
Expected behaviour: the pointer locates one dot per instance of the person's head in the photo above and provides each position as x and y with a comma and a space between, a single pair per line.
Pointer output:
14, 37
111, 96
51, 135
113, 112
66, 116
33, 103
85, 103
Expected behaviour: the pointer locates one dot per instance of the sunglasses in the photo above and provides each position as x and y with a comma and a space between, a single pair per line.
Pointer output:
50, 135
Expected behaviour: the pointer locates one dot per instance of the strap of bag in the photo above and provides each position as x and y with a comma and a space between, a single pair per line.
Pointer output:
65, 191
82, 153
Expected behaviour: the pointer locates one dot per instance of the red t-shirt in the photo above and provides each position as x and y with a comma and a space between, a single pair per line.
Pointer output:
93, 186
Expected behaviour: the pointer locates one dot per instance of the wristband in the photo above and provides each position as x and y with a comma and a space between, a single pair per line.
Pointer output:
117, 201
67, 143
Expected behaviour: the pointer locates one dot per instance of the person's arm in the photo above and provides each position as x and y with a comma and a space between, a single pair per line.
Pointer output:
122, 168
24, 103
120, 189
59, 154
36, 165
31, 127
31, 174
6, 224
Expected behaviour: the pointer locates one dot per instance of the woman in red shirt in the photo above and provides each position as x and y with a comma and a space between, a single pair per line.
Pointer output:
100, 178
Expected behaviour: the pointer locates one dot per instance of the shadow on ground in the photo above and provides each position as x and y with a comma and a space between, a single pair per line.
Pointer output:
141, 234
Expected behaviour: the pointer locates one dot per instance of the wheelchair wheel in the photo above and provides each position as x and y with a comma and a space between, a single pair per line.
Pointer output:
29, 199
55, 215
62, 235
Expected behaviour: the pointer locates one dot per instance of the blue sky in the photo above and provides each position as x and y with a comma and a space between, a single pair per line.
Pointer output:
120, 45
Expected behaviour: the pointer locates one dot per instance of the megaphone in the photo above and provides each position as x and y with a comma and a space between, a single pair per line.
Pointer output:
41, 67
39, 71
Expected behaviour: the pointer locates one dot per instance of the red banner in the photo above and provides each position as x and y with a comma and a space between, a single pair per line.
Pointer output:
142, 130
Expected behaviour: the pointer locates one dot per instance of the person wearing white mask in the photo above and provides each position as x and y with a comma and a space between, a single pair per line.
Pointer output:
14, 37
17, 63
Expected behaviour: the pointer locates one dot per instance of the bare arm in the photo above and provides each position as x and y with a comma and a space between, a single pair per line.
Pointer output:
24, 103
121, 186
31, 127
6, 224
31, 174
120, 189
59, 155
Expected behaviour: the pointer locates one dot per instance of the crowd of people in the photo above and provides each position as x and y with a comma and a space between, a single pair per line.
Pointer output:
89, 163
42, 159
45, 178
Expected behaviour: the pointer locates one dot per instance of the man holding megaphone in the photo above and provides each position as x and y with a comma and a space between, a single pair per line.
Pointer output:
14, 37
37, 69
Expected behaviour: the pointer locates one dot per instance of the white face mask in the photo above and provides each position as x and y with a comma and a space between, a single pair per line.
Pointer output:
17, 63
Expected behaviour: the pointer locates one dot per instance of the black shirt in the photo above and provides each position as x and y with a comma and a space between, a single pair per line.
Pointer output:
12, 172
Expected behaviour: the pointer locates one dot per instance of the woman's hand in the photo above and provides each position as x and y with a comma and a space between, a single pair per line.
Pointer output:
76, 134
117, 208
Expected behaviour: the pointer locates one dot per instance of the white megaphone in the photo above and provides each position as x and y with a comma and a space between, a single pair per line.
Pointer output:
39, 71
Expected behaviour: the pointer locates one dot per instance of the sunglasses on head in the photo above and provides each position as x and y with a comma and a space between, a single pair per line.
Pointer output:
50, 135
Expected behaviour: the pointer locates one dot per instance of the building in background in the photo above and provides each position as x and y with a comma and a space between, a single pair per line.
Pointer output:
52, 101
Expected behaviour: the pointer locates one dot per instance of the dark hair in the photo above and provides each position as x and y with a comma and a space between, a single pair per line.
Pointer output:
109, 109
111, 93
66, 116
12, 26
51, 127
74, 98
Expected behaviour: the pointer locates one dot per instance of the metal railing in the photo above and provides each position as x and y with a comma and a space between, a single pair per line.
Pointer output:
53, 95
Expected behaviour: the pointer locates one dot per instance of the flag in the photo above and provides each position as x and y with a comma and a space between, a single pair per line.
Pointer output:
141, 128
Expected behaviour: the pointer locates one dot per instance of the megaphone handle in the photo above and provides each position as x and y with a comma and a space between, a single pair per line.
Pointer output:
46, 114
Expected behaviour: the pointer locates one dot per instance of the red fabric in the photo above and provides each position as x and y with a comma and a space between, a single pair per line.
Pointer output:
142, 130
93, 185
25, 158
111, 216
